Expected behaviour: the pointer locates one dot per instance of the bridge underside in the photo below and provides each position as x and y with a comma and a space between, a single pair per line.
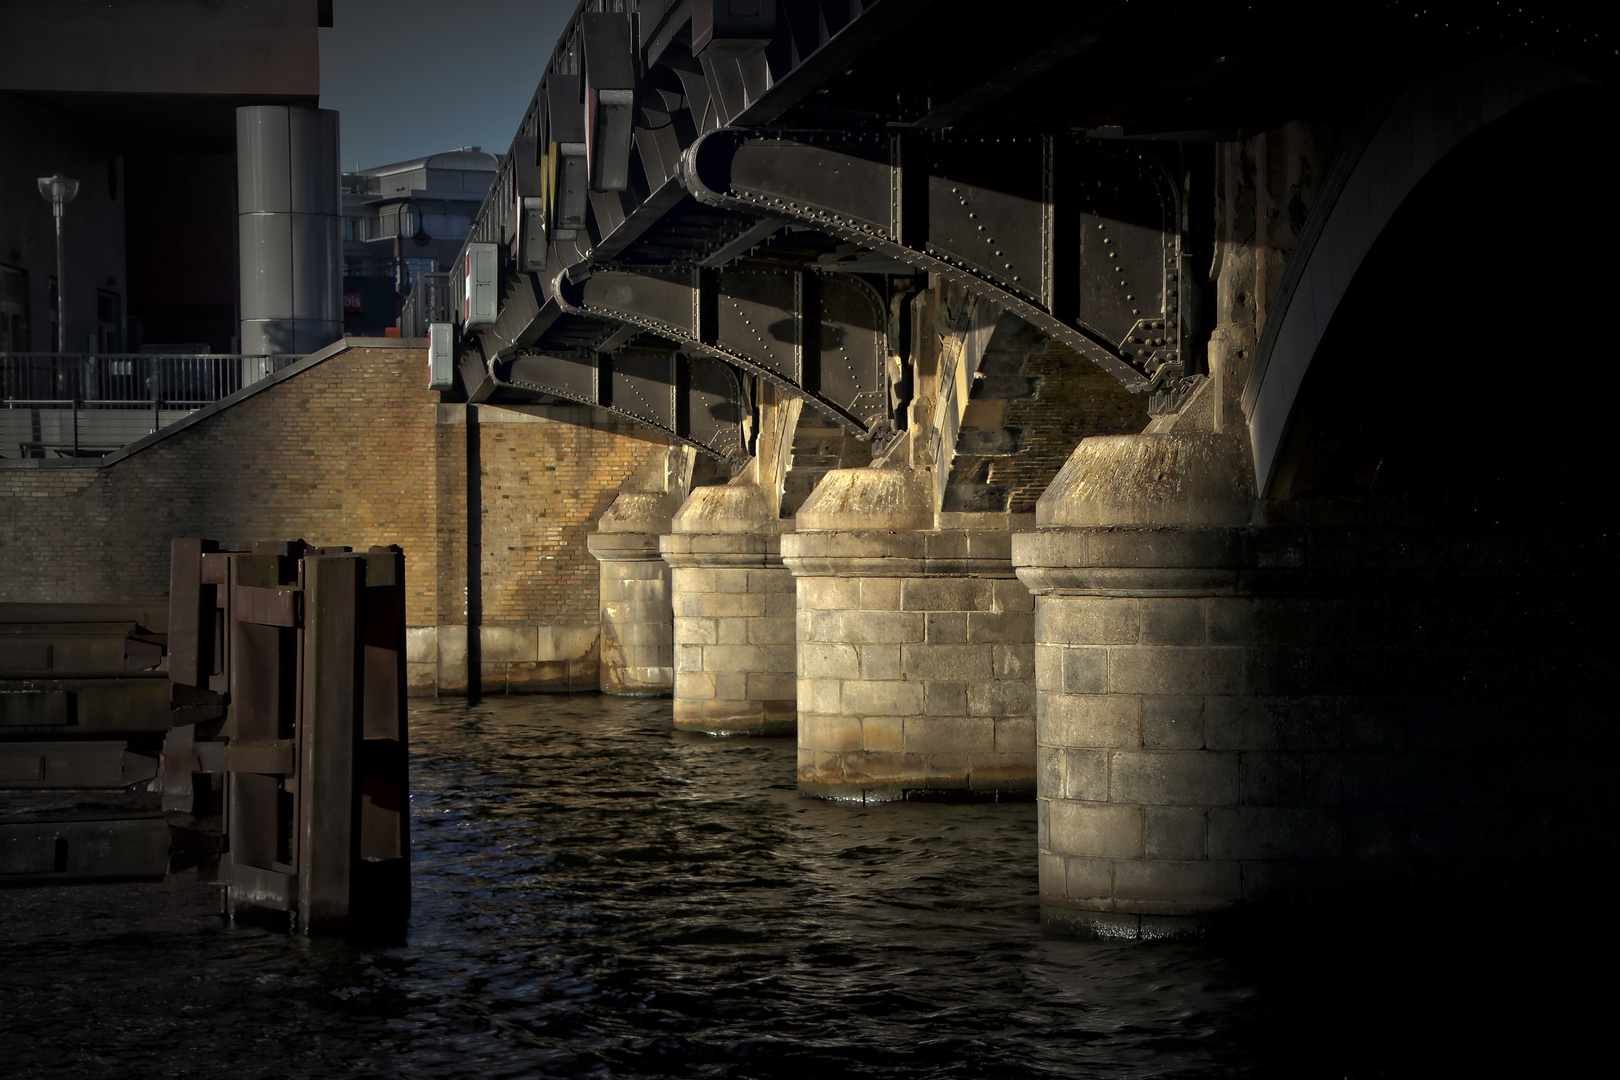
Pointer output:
1019, 481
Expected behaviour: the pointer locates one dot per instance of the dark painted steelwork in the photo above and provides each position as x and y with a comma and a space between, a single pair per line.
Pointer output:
1078, 240
741, 72
823, 337
669, 252
1045, 171
697, 400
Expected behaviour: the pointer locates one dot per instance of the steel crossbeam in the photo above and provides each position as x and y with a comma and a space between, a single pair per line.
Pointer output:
629, 234
1080, 241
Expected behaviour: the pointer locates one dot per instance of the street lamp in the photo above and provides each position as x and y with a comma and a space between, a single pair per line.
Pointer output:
59, 190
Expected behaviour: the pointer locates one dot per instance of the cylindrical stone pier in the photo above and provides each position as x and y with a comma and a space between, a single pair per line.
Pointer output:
733, 602
637, 621
915, 654
1236, 715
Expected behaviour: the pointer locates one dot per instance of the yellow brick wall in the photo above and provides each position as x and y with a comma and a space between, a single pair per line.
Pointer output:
355, 450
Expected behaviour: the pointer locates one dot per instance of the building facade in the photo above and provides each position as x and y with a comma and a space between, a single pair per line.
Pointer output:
403, 220
152, 235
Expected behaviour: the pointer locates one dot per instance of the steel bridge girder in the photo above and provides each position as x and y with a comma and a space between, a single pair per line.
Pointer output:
823, 337
1080, 240
698, 400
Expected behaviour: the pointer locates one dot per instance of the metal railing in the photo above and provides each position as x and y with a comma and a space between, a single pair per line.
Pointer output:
88, 405
430, 302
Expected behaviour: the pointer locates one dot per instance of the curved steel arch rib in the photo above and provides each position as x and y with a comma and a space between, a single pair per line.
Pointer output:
820, 337
1081, 242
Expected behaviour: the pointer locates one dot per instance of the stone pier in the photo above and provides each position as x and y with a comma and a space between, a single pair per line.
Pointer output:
915, 655
1241, 715
1373, 680
637, 644
734, 650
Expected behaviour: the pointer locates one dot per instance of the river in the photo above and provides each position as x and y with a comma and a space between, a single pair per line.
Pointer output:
595, 895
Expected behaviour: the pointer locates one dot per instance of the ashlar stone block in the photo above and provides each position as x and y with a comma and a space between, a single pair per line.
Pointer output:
1088, 720
1085, 775
1174, 722
1186, 777
1087, 620
1094, 830
946, 594
886, 698
957, 662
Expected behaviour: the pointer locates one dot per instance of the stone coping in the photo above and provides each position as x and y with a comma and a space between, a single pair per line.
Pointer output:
906, 553
721, 549
1107, 557
626, 546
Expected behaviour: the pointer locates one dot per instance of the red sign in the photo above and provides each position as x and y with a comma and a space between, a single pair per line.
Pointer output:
352, 304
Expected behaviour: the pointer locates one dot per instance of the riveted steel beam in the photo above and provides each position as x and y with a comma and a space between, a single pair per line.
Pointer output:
1079, 240
698, 400
820, 337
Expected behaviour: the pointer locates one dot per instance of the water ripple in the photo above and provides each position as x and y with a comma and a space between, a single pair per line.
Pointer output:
596, 896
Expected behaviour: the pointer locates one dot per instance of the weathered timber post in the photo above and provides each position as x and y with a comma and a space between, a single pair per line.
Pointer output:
310, 646
354, 852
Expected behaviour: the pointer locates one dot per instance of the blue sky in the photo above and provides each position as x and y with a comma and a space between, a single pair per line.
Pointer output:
413, 77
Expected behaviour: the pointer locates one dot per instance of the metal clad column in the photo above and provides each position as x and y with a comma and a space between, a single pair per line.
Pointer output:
288, 214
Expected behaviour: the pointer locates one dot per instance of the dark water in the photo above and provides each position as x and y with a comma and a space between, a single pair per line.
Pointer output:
595, 896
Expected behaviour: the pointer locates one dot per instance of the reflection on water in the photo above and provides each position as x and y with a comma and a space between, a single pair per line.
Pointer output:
596, 896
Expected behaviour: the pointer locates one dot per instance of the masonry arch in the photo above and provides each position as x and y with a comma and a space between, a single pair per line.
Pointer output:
1368, 193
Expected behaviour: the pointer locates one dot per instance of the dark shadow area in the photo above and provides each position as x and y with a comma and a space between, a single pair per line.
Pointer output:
1397, 989
1431, 708
180, 239
1452, 382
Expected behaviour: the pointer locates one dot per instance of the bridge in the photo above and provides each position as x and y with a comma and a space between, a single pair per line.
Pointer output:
1128, 405
1151, 410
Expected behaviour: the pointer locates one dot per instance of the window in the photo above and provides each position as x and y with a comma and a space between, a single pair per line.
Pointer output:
14, 311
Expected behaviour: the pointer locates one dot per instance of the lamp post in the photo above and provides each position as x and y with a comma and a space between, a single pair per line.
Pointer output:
59, 190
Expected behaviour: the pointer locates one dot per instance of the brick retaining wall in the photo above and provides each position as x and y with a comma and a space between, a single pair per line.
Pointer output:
348, 447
